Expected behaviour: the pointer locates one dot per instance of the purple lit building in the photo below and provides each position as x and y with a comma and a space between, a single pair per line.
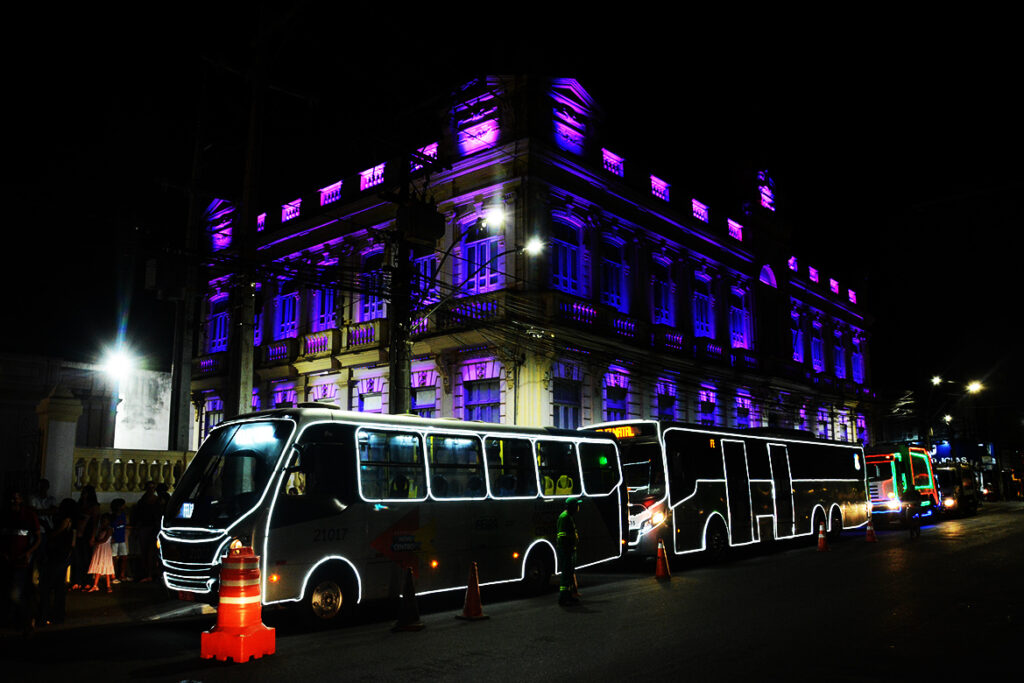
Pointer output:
644, 302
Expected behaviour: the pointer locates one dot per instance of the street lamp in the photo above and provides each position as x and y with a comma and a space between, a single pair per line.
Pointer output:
974, 387
118, 363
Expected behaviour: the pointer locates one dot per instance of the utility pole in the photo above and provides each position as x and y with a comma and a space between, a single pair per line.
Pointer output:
417, 222
238, 396
184, 314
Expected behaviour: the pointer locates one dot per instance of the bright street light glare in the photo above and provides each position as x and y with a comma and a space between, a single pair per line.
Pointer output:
494, 217
118, 364
533, 246
936, 380
974, 387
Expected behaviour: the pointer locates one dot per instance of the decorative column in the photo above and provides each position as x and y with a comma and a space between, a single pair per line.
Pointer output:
58, 421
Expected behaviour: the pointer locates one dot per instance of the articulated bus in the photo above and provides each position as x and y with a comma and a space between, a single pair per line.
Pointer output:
891, 472
338, 505
709, 489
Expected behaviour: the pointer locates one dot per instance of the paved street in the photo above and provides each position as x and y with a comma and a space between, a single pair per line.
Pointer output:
945, 604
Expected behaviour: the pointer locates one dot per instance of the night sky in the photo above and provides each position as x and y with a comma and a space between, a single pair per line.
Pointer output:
896, 154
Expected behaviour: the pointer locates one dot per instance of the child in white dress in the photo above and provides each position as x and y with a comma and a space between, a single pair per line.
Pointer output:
102, 563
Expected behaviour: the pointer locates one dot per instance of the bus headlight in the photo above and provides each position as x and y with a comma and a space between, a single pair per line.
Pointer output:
658, 518
949, 502
893, 505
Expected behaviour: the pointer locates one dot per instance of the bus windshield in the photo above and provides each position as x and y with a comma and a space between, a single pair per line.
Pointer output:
642, 469
228, 474
879, 471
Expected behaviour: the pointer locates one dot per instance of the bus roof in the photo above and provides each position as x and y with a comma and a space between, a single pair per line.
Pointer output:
321, 412
659, 426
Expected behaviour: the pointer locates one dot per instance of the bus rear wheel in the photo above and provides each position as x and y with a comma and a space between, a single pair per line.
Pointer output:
716, 541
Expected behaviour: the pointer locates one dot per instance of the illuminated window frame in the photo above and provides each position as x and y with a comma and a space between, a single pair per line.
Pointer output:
703, 306
613, 163
660, 188
371, 177
291, 210
700, 211
735, 230
330, 194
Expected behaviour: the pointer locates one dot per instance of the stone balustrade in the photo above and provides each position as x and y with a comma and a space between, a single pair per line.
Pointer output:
124, 471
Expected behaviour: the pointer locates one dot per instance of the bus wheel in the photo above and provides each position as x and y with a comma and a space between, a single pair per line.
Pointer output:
836, 527
716, 541
330, 596
537, 573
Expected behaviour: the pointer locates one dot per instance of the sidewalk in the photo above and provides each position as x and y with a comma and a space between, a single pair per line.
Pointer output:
127, 603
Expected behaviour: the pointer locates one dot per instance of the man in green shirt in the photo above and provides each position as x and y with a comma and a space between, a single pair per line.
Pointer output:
566, 541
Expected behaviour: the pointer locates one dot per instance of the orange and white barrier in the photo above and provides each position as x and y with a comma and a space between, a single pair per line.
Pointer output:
871, 538
822, 540
239, 634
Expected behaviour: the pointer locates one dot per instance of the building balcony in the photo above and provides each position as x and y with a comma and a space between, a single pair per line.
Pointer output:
210, 365
708, 349
566, 309
322, 344
462, 312
360, 336
745, 359
280, 352
669, 338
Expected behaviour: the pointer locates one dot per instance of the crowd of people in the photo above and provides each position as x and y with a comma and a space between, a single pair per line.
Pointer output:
49, 548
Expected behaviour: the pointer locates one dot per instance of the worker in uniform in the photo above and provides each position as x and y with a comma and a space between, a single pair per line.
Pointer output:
567, 541
912, 503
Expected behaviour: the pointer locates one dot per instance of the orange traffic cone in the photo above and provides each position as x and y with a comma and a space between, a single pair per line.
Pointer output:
871, 538
822, 541
473, 609
408, 612
239, 633
661, 571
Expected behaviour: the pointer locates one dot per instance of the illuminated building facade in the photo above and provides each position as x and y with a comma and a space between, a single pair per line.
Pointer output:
643, 303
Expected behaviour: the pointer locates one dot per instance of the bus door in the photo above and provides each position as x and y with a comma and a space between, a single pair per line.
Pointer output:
741, 523
778, 455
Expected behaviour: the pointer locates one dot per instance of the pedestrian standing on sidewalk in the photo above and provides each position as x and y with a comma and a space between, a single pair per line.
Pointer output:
146, 524
102, 563
53, 574
19, 538
119, 539
85, 529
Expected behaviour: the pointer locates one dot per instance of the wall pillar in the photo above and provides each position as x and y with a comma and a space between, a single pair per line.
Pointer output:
58, 421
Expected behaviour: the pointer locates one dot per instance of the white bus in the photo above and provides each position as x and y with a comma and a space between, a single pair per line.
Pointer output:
337, 504
709, 489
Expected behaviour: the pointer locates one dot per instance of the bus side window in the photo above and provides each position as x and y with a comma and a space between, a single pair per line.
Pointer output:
391, 465
600, 465
456, 466
559, 469
510, 468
